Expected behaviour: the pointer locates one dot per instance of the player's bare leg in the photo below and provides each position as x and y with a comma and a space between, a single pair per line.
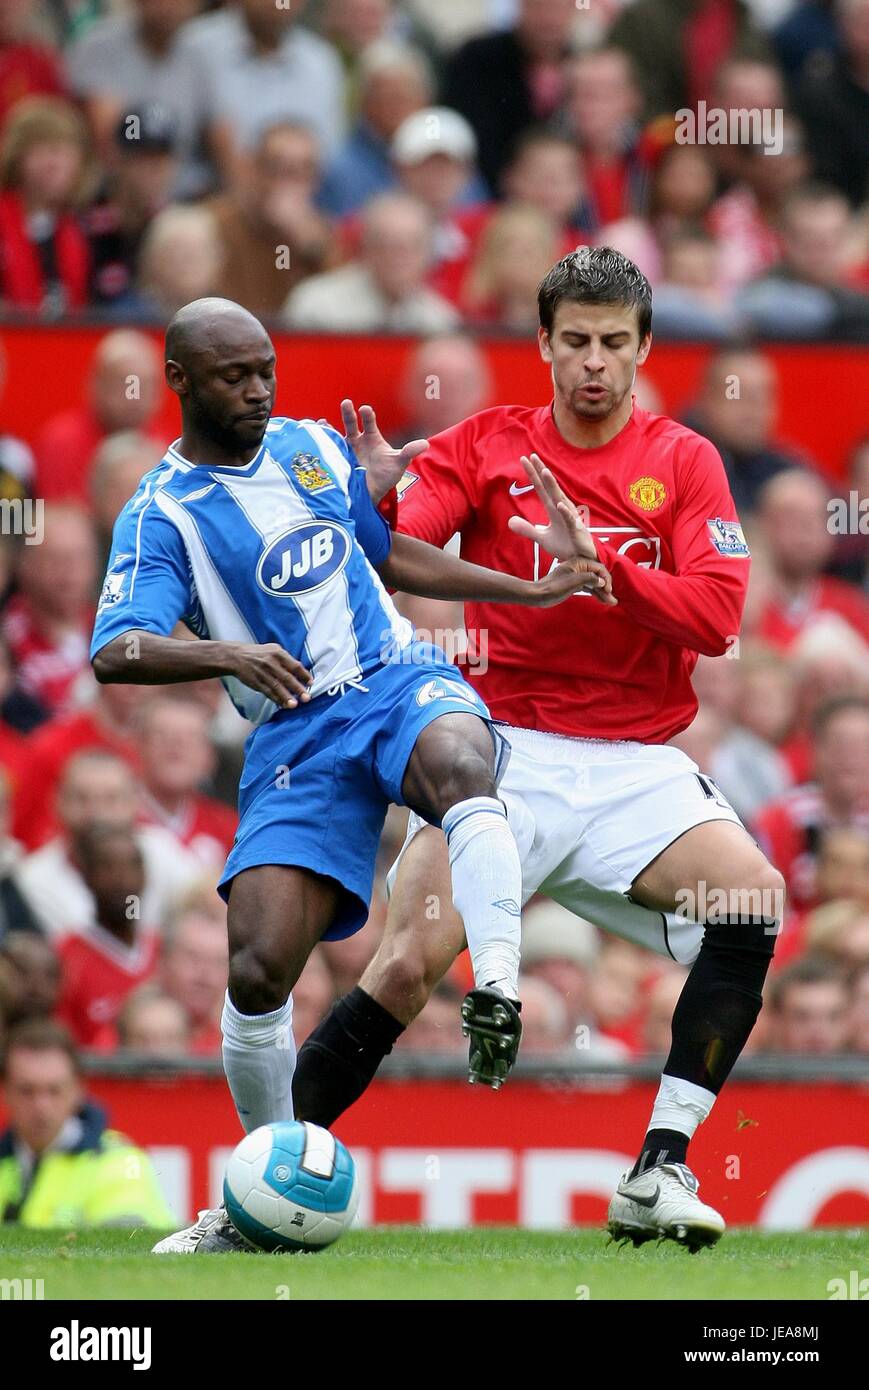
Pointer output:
277, 914
423, 936
450, 778
717, 867
424, 933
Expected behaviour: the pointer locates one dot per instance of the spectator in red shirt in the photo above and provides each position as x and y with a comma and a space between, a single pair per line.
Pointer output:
98, 788
27, 67
44, 178
546, 172
682, 190
48, 623
807, 1009
799, 542
746, 218
103, 963
516, 249
434, 152
194, 972
603, 108
851, 559
122, 394
149, 1022
177, 758
742, 422
744, 83
790, 828
116, 471
109, 722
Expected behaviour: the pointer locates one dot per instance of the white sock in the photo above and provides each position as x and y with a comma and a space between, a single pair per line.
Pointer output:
680, 1105
487, 888
259, 1058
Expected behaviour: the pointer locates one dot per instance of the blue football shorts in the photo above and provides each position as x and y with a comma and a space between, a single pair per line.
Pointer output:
317, 780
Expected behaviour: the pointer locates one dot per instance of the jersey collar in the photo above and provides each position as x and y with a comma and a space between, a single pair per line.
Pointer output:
236, 471
553, 435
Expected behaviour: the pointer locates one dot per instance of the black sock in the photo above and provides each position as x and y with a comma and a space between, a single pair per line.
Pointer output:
717, 1009
339, 1059
661, 1146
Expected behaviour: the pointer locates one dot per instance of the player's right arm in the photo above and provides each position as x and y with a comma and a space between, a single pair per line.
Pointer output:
148, 589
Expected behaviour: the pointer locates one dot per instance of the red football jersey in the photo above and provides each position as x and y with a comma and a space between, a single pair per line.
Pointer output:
49, 749
781, 624
203, 825
657, 502
98, 972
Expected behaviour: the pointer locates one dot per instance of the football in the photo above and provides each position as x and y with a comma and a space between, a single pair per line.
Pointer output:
291, 1186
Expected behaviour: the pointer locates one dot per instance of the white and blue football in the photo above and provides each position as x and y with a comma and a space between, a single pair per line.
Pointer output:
291, 1186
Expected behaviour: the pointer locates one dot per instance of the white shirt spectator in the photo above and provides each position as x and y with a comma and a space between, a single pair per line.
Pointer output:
111, 61
348, 300
61, 901
302, 79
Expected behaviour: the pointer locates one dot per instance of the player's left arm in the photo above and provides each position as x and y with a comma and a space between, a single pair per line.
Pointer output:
700, 605
415, 567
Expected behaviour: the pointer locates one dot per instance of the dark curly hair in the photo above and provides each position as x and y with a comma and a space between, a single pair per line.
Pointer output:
596, 275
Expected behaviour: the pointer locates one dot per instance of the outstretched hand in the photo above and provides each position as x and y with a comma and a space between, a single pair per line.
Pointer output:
384, 465
574, 576
565, 536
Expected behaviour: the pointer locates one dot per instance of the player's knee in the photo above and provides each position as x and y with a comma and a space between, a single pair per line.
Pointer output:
257, 984
406, 981
770, 886
467, 773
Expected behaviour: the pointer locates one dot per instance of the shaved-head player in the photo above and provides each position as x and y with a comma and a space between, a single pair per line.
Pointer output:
260, 534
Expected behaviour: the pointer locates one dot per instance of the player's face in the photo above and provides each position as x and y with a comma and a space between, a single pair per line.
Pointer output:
231, 391
594, 350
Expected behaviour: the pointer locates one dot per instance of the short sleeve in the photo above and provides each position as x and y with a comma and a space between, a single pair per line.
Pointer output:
148, 583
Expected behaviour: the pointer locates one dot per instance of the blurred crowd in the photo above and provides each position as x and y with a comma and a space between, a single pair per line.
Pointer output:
351, 165
356, 164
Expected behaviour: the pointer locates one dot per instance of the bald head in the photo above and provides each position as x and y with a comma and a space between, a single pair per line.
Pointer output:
205, 324
220, 363
792, 509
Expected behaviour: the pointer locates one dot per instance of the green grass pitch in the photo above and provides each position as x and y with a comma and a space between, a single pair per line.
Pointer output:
401, 1263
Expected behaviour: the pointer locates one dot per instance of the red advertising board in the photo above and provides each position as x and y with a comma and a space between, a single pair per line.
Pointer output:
774, 1155
823, 390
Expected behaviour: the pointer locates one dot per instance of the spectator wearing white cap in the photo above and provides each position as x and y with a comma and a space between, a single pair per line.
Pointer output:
433, 156
384, 289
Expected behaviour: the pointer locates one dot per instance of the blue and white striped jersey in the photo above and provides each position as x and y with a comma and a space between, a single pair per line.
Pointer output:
281, 550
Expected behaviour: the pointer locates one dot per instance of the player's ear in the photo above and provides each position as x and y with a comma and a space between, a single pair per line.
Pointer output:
644, 349
544, 344
176, 378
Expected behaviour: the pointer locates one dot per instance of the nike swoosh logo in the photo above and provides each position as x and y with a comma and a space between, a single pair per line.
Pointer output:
644, 1201
516, 491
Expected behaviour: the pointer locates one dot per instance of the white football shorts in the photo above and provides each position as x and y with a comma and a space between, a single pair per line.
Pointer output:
589, 815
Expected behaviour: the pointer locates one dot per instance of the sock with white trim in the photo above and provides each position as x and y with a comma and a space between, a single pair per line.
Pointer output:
259, 1058
487, 888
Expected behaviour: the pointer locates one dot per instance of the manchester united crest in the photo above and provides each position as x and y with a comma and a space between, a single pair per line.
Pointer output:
648, 494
